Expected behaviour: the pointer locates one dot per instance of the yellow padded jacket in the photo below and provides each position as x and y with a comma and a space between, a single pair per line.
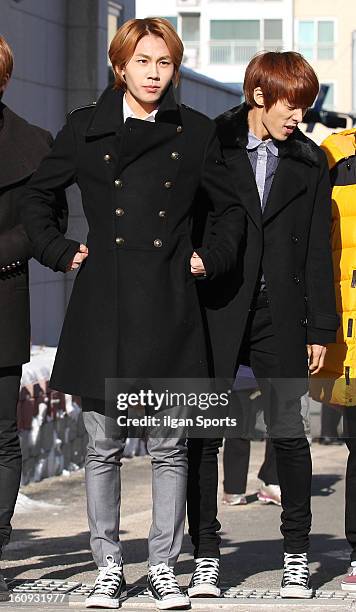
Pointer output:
336, 384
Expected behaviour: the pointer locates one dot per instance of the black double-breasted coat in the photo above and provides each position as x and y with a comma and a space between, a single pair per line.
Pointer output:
22, 147
134, 310
289, 242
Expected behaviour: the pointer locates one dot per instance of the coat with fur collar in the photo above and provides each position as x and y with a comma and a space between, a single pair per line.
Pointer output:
289, 241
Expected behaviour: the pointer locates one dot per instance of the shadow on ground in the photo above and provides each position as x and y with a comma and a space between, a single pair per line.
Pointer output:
64, 558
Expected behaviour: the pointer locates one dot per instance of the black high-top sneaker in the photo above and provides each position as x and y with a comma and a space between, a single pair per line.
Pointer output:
164, 588
4, 591
296, 577
205, 580
109, 587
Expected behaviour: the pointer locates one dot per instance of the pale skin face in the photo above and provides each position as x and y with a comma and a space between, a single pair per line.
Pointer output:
279, 122
147, 75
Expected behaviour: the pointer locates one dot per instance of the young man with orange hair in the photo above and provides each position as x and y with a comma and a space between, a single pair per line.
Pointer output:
22, 147
138, 158
277, 312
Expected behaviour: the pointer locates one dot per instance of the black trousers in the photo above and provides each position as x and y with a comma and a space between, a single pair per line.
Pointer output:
350, 482
10, 451
286, 430
330, 419
236, 463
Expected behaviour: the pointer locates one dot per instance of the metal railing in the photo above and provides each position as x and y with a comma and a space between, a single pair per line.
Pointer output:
241, 51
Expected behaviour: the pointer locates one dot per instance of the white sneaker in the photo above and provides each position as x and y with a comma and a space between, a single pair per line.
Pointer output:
164, 588
269, 494
109, 587
205, 580
234, 499
296, 577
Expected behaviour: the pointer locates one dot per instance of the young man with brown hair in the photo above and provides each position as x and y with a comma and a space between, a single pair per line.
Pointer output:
276, 313
22, 147
139, 158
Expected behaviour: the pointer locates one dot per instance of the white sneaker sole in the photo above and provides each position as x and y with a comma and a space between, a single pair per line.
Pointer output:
100, 601
295, 592
351, 588
204, 590
268, 500
171, 603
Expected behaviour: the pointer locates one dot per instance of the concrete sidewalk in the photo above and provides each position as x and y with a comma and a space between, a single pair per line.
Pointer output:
51, 541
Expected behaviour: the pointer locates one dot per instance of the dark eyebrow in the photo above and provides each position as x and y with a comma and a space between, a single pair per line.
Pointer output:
149, 57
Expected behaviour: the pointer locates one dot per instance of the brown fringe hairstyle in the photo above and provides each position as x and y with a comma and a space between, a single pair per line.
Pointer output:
286, 76
6, 61
124, 43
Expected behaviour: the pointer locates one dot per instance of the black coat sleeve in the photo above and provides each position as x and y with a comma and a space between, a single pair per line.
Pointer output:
45, 210
15, 245
322, 320
227, 216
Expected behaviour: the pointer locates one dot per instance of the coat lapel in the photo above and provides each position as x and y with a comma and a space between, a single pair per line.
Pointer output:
295, 153
244, 180
21, 148
126, 142
288, 183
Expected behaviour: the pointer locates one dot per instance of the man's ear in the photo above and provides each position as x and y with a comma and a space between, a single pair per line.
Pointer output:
3, 83
120, 72
258, 97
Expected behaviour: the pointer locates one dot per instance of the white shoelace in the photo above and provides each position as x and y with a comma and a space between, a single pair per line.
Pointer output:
296, 569
108, 579
207, 570
164, 580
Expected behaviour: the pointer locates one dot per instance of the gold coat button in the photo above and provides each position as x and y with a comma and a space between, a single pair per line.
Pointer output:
175, 155
179, 129
162, 213
118, 183
107, 157
119, 241
168, 184
157, 243
119, 212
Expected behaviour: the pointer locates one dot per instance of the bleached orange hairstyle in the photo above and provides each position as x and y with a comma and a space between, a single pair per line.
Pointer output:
125, 41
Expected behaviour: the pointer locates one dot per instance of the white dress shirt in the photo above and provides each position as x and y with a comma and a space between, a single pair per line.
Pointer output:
129, 114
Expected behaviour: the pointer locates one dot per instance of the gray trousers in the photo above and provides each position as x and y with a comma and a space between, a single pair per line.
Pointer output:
103, 485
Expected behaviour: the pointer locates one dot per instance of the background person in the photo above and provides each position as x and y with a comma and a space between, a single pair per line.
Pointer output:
336, 383
22, 147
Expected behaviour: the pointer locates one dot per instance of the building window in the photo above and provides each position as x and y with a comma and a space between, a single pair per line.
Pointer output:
190, 28
115, 19
329, 102
235, 42
316, 39
172, 20
190, 34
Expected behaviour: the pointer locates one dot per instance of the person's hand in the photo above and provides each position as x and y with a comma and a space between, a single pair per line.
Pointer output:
196, 265
316, 355
78, 258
